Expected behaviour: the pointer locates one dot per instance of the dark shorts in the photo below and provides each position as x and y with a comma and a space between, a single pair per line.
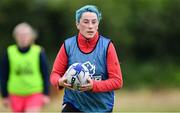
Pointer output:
68, 107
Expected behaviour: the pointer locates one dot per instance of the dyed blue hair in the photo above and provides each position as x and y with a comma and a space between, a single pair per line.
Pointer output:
87, 8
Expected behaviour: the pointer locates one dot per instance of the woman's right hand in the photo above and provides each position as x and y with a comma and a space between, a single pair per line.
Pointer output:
6, 101
63, 82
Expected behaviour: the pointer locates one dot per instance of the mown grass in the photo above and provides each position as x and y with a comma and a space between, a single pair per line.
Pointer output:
129, 101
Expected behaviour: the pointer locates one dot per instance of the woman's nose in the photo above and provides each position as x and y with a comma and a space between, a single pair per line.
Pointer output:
90, 25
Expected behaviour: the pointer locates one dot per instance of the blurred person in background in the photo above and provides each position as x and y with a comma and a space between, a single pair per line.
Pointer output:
104, 67
24, 75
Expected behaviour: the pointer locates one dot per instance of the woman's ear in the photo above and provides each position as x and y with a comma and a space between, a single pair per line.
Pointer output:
77, 25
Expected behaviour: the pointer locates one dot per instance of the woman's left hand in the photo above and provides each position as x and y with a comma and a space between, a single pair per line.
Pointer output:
46, 99
88, 86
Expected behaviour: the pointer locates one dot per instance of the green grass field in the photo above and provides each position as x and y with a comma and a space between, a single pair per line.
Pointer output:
129, 101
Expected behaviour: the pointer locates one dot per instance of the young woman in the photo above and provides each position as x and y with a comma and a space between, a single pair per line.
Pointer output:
99, 52
24, 79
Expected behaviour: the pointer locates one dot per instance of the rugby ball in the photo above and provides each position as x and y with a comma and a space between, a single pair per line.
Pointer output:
77, 75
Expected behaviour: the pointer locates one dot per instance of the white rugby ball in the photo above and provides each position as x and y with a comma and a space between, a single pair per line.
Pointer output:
77, 75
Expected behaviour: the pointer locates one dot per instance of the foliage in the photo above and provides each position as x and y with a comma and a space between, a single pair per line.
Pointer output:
145, 32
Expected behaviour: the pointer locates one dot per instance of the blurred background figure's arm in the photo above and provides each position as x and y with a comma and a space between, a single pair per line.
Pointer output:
4, 76
45, 76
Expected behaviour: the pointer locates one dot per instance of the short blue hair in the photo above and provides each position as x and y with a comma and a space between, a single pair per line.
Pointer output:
87, 8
